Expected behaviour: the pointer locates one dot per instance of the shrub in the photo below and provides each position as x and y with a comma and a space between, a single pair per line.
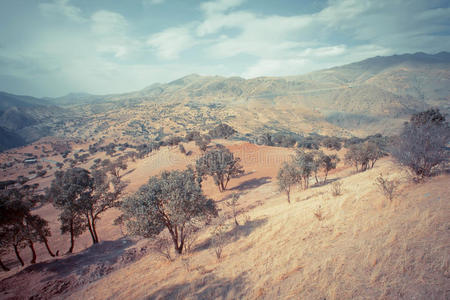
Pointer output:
387, 187
182, 149
222, 131
336, 188
332, 143
318, 213
422, 144
232, 203
173, 140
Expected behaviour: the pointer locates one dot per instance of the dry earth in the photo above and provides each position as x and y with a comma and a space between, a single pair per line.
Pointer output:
364, 247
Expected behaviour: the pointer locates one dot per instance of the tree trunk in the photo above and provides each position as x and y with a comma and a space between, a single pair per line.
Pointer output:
72, 239
33, 252
326, 174
94, 230
288, 192
4, 268
16, 251
90, 230
47, 246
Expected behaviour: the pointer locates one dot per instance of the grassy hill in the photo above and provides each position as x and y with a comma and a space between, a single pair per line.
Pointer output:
356, 245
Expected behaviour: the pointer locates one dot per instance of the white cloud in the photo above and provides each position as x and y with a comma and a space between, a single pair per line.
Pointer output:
169, 43
62, 8
110, 29
108, 22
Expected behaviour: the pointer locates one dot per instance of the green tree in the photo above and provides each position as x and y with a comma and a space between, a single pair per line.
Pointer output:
67, 190
306, 164
82, 197
221, 164
172, 200
288, 176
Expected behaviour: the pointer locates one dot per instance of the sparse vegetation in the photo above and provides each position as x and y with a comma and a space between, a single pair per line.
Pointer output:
232, 203
389, 188
336, 188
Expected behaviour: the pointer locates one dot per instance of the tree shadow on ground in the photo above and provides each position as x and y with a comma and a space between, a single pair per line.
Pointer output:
128, 172
61, 275
321, 183
234, 234
252, 183
207, 287
106, 252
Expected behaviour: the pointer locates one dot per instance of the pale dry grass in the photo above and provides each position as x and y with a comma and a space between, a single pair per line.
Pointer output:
364, 248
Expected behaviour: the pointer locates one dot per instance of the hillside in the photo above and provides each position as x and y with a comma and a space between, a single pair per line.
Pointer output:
374, 95
362, 247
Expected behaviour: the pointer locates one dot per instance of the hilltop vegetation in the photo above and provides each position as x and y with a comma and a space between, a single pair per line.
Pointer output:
374, 95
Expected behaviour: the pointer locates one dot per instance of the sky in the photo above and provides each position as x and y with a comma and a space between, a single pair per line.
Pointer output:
55, 47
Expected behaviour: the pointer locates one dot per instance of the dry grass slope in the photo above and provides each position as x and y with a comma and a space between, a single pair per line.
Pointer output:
364, 248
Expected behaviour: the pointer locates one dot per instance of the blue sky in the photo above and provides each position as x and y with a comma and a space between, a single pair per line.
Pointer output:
53, 47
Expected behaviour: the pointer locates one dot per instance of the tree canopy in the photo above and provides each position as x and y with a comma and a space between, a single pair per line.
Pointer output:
172, 200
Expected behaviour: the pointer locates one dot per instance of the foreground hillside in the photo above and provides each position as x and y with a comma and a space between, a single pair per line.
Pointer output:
364, 248
358, 245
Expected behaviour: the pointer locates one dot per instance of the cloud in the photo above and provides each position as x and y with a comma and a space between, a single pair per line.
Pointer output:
169, 43
62, 8
110, 29
219, 6
56, 47
107, 22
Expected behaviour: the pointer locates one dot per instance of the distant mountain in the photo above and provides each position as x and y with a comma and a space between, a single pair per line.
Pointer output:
10, 100
76, 99
24, 119
10, 139
373, 95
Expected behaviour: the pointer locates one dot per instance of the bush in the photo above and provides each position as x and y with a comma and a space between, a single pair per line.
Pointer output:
422, 144
222, 131
181, 147
363, 156
336, 188
387, 187
173, 140
332, 143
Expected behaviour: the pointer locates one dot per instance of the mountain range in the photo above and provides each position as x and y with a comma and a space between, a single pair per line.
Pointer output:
373, 95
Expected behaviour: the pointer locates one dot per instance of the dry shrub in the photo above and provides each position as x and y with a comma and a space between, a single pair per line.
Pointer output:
336, 188
218, 237
192, 233
389, 188
163, 245
318, 213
